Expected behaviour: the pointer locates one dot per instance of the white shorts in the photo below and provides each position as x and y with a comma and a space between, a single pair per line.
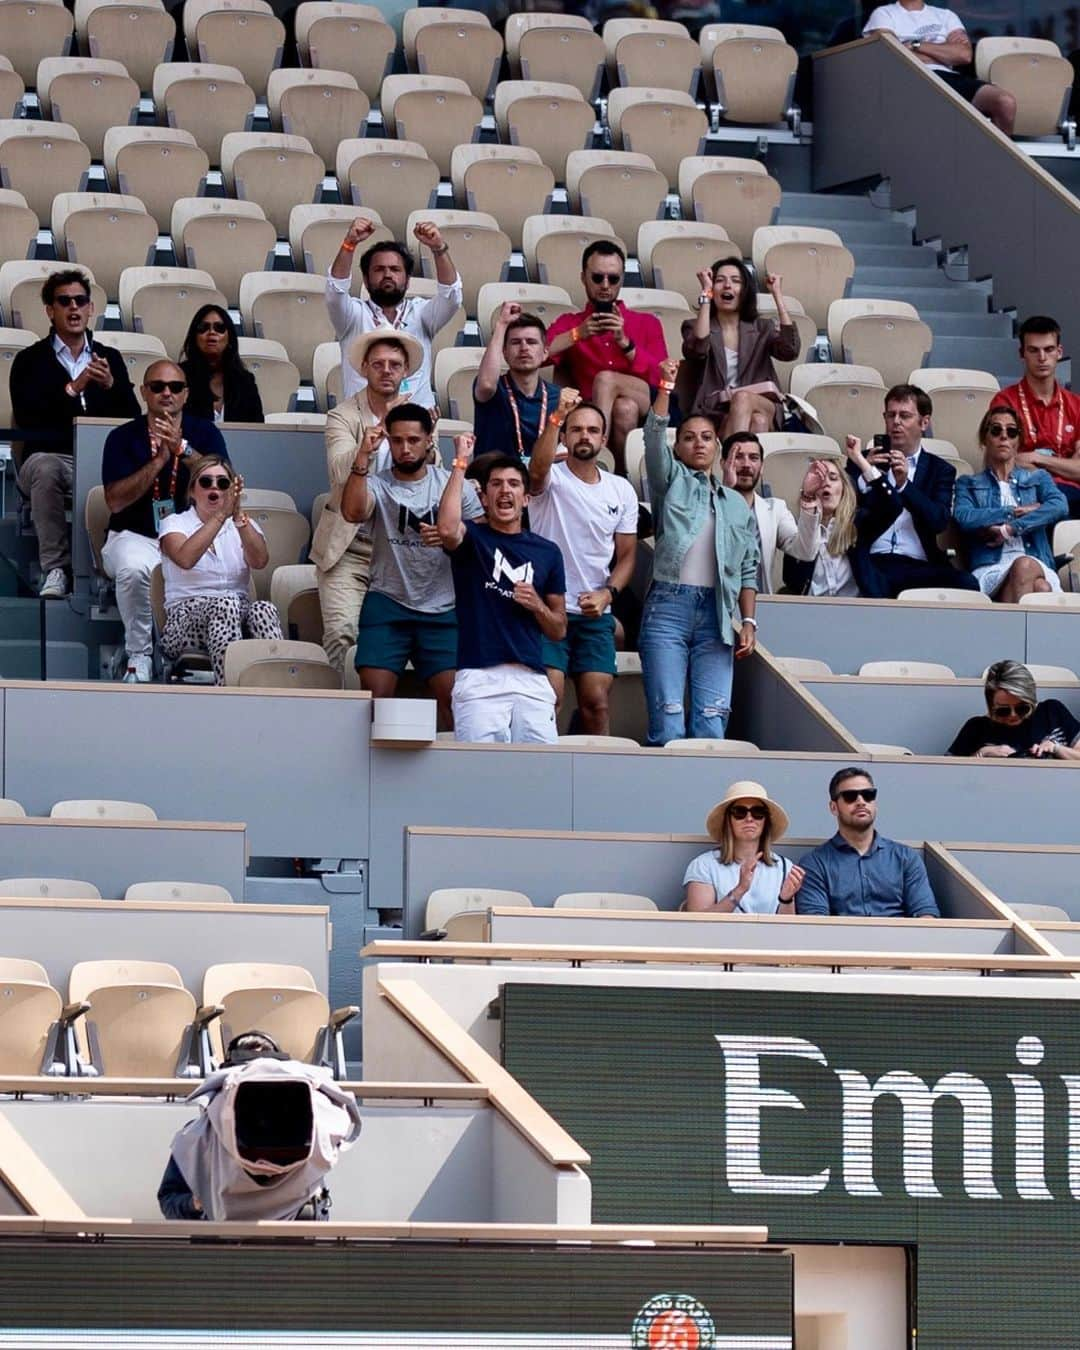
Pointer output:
503, 703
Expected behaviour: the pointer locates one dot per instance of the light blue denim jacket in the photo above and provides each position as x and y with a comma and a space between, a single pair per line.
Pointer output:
680, 503
978, 504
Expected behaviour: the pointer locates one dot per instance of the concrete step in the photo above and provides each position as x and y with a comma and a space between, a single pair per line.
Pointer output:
855, 232
901, 257
826, 206
956, 300
968, 325
972, 353
893, 276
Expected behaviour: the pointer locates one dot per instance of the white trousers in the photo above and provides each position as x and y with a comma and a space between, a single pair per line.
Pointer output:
503, 703
129, 558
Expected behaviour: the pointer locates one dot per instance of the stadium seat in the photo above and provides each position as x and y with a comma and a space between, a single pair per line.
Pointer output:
186, 892
246, 34
354, 38
276, 664
457, 42
546, 302
510, 182
12, 89
454, 373
163, 300
10, 809
944, 449
316, 230
438, 111
89, 95
689, 744
18, 225
1052, 600
101, 808
549, 117
31, 31
277, 377
104, 231
848, 399
40, 159
273, 169
50, 888
223, 237
20, 294
807, 329
670, 307
296, 419
814, 263
206, 100
444, 903
665, 125
290, 307
881, 748
480, 249
785, 467
603, 900
140, 34
553, 246
1066, 536
802, 667
326, 377
30, 1014
960, 398
96, 519
944, 595
670, 254
286, 533
140, 1019
626, 186
908, 670
753, 71
391, 178
1041, 913
274, 498
738, 194
1047, 674
598, 742
294, 592
325, 106
885, 334
556, 47
1034, 71
651, 52
159, 165
138, 350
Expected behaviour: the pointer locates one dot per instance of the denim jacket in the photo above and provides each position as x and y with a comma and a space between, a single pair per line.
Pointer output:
978, 505
680, 503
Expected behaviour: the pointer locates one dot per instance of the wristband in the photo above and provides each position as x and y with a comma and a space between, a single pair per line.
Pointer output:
748, 618
438, 252
556, 418
575, 334
704, 299
360, 473
666, 385
460, 463
613, 591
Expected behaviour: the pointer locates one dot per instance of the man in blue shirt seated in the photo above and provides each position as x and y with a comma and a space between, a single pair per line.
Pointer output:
858, 871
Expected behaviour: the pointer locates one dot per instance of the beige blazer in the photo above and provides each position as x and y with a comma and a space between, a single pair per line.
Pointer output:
345, 425
776, 529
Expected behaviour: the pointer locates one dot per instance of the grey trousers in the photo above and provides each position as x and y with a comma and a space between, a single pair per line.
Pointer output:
46, 479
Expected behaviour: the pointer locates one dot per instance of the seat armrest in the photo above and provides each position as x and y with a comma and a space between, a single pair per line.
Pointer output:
71, 1012
205, 1015
340, 1016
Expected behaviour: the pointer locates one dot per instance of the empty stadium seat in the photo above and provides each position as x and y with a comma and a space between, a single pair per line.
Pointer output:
555, 47
480, 249
294, 592
442, 904
814, 263
712, 744
277, 377
670, 254
438, 111
140, 34
10, 809
89, 95
18, 225
545, 302
1047, 674
12, 341
31, 31
553, 246
96, 518
670, 307
163, 300
140, 1020
652, 52
224, 238
30, 1014
316, 230
324, 106
944, 595
626, 186
510, 182
1041, 913
1052, 600
273, 169
457, 42
908, 670
738, 194
187, 892
848, 399
296, 419
665, 125
104, 231
276, 664
807, 329
159, 165
326, 377
603, 900
101, 808
290, 307
40, 159
12, 89
349, 37
207, 100
881, 748
20, 294
752, 69
454, 371
47, 888
390, 177
1034, 71
138, 350
802, 667
246, 34
286, 533
960, 398
885, 334
598, 742
549, 117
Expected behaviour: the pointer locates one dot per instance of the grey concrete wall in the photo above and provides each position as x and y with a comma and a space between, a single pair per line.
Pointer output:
769, 709
1044, 877
1052, 638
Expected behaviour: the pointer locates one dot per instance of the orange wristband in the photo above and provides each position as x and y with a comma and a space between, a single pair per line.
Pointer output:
556, 418
460, 463
349, 248
575, 334
666, 385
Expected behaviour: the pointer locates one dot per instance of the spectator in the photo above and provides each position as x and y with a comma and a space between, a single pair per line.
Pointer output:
220, 386
340, 550
510, 590
408, 611
775, 525
145, 472
208, 552
830, 554
706, 564
907, 553
1017, 725
512, 410
592, 517
743, 875
64, 376
1006, 513
610, 353
859, 871
937, 38
729, 350
1049, 414
386, 269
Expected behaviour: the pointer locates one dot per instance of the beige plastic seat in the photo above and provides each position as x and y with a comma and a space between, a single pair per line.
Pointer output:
89, 95
553, 246
807, 330
138, 350
353, 38
186, 892
652, 52
12, 89
325, 106
294, 592
626, 186
670, 307
885, 334
1052, 600
814, 263
140, 1019
661, 123
31, 31
101, 808
549, 117
105, 231
944, 595
672, 252
12, 341
1050, 674
246, 34
555, 47
848, 399
1066, 536
316, 230
273, 169
296, 419
20, 294
753, 71
603, 900
881, 748
30, 1011
738, 194
438, 111
277, 377
785, 468
1041, 913
10, 809
442, 904
907, 670
510, 182
279, 664
326, 376
598, 742
23, 969
159, 165
281, 1000
545, 302
1034, 71
803, 667
49, 888
254, 498
387, 177
162, 300
140, 34
793, 442
96, 519
689, 744
287, 533
40, 159
454, 372
960, 398
207, 100
289, 307
223, 237
480, 249
457, 42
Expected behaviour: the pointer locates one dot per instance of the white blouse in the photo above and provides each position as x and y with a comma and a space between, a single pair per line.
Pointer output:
221, 570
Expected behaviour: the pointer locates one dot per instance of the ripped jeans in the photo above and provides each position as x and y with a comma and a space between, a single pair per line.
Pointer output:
680, 634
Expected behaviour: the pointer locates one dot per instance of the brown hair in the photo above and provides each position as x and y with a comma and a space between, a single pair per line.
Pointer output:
727, 838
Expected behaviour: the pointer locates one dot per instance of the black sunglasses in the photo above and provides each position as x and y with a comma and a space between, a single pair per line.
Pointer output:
754, 812
1001, 712
612, 278
852, 795
159, 386
1000, 429
66, 301
206, 480
212, 326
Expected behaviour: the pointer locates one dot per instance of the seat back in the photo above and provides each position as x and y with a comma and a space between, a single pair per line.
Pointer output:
97, 522
279, 664
550, 117
246, 38
545, 302
163, 300
454, 371
755, 77
386, 176
294, 592
672, 252
103, 231
457, 45
885, 334
626, 186
101, 808
510, 182
1052, 600
437, 111
316, 230
1034, 71
661, 123
669, 307
814, 263
598, 742
807, 330
226, 977
446, 901
287, 533
10, 809
603, 900
847, 399
481, 250
87, 975
325, 106
738, 194
29, 1011
185, 892
18, 225
289, 307
553, 246
223, 237
50, 888
138, 1030
158, 165
140, 35
278, 379
31, 31
40, 159
206, 99
711, 744
652, 52
803, 666
92, 95
908, 670
272, 169
553, 48
23, 969
349, 37
12, 341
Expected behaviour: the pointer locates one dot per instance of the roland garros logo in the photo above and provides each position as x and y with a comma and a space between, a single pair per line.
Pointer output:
673, 1322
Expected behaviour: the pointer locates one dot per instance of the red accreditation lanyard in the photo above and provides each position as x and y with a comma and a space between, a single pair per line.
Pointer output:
1033, 434
508, 386
172, 476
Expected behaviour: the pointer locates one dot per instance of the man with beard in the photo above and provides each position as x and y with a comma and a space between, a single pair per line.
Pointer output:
512, 410
776, 526
386, 269
592, 516
408, 612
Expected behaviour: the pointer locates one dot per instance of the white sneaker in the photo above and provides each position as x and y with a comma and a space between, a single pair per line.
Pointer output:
140, 670
55, 585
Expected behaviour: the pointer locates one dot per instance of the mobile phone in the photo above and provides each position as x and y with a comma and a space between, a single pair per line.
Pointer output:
882, 444
603, 306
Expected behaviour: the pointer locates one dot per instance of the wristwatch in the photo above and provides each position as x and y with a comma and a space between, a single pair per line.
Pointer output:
704, 299
915, 44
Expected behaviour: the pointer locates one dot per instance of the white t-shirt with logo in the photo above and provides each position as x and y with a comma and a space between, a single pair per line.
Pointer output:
928, 24
583, 519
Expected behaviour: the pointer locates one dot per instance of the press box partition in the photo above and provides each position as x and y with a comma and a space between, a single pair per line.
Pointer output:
1026, 876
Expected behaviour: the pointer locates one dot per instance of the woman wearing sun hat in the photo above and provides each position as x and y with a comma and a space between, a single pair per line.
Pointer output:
743, 875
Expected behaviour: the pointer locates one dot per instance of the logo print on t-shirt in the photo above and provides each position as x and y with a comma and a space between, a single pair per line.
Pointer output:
409, 520
522, 575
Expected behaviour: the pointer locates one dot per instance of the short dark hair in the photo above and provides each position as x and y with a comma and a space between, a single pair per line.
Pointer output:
605, 248
526, 321
843, 775
1038, 323
70, 276
409, 412
739, 438
904, 393
496, 462
387, 246
586, 406
748, 300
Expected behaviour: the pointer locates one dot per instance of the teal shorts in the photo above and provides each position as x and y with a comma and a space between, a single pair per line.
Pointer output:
589, 646
390, 634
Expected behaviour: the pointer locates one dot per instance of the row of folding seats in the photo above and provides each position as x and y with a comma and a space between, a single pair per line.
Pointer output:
84, 808
73, 888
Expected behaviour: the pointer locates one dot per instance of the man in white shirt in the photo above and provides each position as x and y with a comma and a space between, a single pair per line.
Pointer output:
386, 269
937, 38
776, 526
592, 516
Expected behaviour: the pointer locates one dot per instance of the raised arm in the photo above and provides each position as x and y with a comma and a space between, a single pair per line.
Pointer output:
256, 553
357, 503
491, 363
547, 443
450, 521
124, 492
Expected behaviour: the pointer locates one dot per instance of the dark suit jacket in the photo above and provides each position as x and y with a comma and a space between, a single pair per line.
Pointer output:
38, 401
242, 401
929, 498
759, 342
876, 511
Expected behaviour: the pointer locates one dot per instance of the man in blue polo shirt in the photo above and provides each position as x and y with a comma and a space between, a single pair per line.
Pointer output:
512, 409
510, 589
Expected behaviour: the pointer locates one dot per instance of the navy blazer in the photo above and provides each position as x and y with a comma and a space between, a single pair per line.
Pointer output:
928, 496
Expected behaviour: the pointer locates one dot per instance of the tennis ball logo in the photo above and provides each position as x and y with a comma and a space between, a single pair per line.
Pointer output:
673, 1322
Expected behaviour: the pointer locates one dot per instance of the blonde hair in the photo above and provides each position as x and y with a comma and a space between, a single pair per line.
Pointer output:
1011, 677
842, 534
727, 837
201, 463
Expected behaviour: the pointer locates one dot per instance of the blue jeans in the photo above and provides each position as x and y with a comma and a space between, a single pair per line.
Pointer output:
680, 634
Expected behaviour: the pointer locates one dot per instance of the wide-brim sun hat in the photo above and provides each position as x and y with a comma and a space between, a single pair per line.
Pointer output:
360, 346
746, 787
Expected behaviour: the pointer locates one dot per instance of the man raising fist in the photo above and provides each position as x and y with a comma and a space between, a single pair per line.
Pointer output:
512, 410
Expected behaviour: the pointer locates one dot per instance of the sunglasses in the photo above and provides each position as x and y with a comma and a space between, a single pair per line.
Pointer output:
206, 480
852, 795
173, 386
66, 301
212, 326
612, 278
754, 812
999, 429
1001, 712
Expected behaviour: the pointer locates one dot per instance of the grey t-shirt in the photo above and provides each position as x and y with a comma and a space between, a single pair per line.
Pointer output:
402, 566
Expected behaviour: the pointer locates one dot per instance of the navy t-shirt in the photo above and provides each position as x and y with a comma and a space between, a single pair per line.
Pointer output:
493, 629
493, 421
127, 450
